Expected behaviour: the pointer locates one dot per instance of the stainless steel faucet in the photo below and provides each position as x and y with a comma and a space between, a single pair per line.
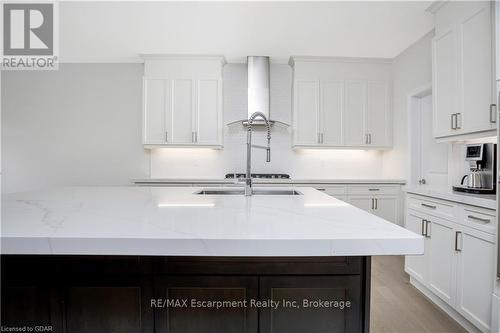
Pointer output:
248, 180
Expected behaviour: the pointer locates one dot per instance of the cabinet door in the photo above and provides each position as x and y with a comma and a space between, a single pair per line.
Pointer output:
332, 97
107, 309
208, 112
442, 262
416, 266
306, 113
290, 319
182, 111
477, 71
475, 276
156, 112
363, 202
194, 319
445, 79
30, 305
378, 114
386, 207
355, 106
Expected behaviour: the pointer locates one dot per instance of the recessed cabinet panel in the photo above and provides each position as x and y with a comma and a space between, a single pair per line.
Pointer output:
206, 319
155, 111
477, 77
445, 77
355, 92
303, 318
103, 309
332, 98
378, 113
207, 114
182, 105
306, 113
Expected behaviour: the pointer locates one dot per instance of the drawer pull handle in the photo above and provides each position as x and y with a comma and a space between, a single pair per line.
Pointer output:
427, 224
321, 189
422, 232
456, 241
428, 206
373, 189
472, 217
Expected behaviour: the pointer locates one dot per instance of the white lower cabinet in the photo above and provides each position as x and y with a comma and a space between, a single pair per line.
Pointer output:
440, 242
416, 266
458, 264
475, 255
384, 206
362, 202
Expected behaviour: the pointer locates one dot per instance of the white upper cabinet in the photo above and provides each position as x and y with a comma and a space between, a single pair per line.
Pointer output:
355, 111
341, 102
445, 84
182, 101
306, 114
378, 115
463, 69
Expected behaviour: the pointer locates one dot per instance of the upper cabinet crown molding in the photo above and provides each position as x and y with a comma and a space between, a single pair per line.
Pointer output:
182, 101
196, 57
294, 59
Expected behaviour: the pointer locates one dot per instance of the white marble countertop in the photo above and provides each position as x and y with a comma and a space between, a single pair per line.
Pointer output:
265, 181
480, 200
176, 221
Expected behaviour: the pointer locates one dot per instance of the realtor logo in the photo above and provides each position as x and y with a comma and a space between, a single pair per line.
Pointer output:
29, 32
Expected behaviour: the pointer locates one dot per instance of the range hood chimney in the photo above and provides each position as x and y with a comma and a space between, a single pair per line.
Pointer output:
258, 93
258, 87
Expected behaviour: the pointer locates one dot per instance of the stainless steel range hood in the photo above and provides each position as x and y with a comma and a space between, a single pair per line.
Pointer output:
258, 87
258, 98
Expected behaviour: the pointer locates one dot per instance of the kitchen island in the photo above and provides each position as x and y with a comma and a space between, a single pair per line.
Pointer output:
130, 259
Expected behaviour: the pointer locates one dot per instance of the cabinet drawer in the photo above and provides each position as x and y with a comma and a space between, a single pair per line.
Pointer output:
478, 218
334, 191
374, 189
433, 206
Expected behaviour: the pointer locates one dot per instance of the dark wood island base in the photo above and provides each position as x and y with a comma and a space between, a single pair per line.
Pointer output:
132, 294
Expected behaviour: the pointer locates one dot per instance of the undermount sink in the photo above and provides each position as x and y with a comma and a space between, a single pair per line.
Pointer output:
242, 192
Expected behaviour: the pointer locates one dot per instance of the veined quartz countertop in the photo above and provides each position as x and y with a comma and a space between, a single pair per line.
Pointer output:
291, 181
480, 200
176, 221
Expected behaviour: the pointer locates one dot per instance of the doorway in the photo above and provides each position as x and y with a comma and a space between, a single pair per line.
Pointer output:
428, 158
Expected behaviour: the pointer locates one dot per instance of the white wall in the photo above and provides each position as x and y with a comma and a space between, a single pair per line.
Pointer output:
412, 69
80, 125
303, 164
115, 31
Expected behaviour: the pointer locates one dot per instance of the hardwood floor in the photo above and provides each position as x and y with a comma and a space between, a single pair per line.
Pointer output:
397, 307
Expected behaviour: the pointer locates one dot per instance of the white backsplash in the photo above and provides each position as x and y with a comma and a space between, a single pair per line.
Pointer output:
300, 164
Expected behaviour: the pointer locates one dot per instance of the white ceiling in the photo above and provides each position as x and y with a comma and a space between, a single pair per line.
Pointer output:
119, 31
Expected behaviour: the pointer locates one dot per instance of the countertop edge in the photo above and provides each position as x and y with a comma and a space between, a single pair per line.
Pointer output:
212, 247
454, 197
140, 181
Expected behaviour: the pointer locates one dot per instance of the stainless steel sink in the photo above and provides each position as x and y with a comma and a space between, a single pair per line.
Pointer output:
242, 192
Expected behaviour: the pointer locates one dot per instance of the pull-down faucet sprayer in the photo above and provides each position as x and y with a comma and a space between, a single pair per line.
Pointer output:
248, 180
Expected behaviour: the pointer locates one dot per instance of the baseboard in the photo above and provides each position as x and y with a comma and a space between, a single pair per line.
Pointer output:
445, 307
495, 313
